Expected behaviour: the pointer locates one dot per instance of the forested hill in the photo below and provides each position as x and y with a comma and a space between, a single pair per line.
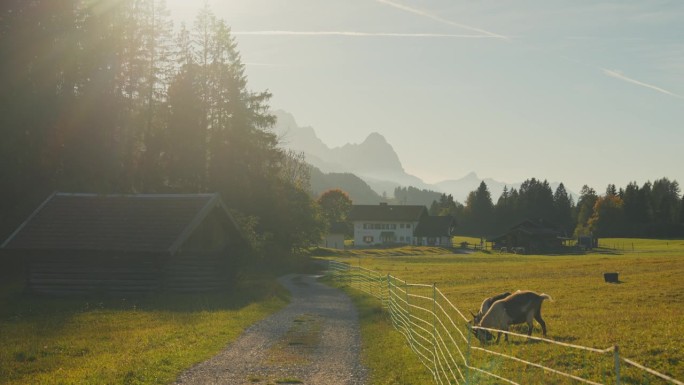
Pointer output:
358, 190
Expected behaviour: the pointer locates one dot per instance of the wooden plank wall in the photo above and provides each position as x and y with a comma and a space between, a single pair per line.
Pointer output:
64, 275
131, 275
196, 272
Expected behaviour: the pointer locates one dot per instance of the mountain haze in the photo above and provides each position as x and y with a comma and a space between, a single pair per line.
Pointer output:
374, 161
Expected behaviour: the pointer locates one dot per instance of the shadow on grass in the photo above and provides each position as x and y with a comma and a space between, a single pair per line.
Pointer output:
18, 305
253, 284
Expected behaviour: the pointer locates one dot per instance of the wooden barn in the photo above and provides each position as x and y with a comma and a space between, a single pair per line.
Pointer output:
127, 244
529, 237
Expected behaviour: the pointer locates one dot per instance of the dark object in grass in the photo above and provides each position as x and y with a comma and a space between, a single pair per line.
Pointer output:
611, 277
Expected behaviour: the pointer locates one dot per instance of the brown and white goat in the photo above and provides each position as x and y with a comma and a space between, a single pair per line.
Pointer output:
520, 307
486, 304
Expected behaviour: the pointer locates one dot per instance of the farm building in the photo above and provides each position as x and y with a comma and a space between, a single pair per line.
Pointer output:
123, 244
385, 224
530, 237
334, 239
435, 231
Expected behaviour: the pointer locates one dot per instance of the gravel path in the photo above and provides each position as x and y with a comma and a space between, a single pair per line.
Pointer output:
314, 340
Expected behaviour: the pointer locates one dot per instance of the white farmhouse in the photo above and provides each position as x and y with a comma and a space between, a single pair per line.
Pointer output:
385, 224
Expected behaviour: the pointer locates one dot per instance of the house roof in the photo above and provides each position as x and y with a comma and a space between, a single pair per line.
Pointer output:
435, 226
130, 223
385, 212
338, 228
529, 227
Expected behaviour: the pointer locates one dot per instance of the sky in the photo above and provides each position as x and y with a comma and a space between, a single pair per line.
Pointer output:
579, 92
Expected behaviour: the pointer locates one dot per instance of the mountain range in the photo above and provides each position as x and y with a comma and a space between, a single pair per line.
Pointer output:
372, 161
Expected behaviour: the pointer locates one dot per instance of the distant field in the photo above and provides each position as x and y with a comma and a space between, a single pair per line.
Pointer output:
643, 314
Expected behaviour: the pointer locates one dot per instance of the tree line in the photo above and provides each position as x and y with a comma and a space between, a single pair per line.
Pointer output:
108, 97
650, 210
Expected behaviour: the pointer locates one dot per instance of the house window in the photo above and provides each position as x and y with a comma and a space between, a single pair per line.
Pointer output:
401, 238
368, 239
401, 225
393, 226
408, 225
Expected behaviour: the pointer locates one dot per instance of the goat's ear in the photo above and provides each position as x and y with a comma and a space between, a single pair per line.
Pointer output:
471, 313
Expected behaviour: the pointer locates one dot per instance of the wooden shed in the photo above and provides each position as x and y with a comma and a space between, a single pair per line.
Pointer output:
126, 244
435, 231
334, 238
529, 237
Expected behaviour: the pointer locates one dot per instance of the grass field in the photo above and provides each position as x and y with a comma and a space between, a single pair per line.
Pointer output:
123, 341
643, 314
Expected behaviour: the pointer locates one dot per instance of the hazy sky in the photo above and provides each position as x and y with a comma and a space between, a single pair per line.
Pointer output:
580, 92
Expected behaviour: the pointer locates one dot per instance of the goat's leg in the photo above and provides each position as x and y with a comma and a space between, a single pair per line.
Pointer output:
539, 319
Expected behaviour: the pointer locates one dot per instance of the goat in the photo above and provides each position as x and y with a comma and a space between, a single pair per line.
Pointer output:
486, 304
520, 307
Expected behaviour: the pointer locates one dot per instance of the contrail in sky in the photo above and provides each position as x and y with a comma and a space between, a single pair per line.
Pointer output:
620, 76
359, 34
440, 19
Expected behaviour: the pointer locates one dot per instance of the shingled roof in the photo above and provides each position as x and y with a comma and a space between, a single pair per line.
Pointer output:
534, 228
130, 223
385, 212
435, 226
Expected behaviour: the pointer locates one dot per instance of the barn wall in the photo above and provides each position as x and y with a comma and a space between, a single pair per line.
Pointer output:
65, 275
196, 272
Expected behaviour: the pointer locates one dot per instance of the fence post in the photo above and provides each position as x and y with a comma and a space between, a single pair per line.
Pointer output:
616, 354
434, 325
389, 294
408, 315
470, 338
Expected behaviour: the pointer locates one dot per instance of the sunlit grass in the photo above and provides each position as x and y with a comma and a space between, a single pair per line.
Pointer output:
643, 314
116, 341
385, 352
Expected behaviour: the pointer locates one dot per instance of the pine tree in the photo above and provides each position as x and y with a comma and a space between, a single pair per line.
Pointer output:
478, 211
563, 208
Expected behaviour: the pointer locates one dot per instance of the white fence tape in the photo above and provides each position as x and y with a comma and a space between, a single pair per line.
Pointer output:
421, 313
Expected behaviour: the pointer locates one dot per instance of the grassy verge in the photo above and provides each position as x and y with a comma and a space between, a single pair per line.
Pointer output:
384, 350
123, 341
642, 314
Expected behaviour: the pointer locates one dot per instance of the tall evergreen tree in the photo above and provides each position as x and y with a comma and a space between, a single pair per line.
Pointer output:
611, 190
665, 202
536, 200
563, 207
634, 219
155, 34
478, 211
506, 209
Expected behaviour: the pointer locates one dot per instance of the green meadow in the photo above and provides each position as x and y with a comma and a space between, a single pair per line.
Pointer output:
151, 340
123, 341
643, 314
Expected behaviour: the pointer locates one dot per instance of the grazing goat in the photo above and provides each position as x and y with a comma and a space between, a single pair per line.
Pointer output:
520, 307
486, 304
